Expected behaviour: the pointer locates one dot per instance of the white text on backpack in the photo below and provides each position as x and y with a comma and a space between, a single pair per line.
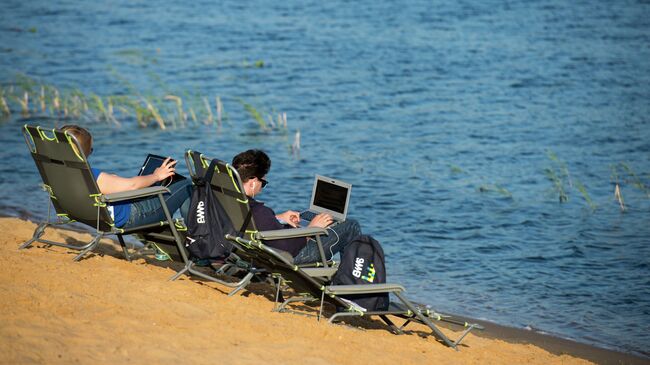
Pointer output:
200, 212
358, 266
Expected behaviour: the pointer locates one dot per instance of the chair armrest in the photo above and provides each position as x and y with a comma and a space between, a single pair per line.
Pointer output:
320, 272
134, 194
290, 233
364, 289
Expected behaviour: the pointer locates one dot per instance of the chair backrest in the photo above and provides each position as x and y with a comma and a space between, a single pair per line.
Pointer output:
227, 189
67, 176
197, 163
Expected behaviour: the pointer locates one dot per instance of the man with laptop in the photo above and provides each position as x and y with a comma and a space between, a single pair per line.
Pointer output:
328, 209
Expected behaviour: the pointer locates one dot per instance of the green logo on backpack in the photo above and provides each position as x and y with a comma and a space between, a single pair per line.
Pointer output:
371, 274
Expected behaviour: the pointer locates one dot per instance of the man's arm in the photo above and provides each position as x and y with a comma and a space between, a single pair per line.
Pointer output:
109, 183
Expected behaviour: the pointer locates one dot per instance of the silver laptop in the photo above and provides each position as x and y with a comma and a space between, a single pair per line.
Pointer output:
328, 196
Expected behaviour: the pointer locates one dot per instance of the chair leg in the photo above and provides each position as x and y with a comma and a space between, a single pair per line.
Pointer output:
277, 293
242, 284
396, 330
427, 321
190, 270
124, 249
90, 247
38, 232
181, 272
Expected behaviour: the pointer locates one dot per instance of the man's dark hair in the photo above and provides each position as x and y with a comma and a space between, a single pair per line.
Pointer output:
252, 163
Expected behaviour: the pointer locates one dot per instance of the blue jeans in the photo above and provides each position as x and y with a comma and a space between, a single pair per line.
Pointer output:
339, 237
149, 210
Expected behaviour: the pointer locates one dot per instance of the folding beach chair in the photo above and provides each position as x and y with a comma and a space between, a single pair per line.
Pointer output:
197, 165
227, 189
314, 287
73, 192
311, 282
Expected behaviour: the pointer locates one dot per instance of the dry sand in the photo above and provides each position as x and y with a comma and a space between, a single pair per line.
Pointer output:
105, 310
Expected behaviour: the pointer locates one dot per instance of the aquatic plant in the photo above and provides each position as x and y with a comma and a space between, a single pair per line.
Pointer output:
182, 117
219, 110
156, 115
255, 114
559, 174
256, 64
145, 110
295, 146
193, 115
622, 174
210, 118
4, 107
42, 99
634, 179
24, 103
581, 188
99, 104
557, 184
282, 120
562, 165
455, 169
486, 188
619, 197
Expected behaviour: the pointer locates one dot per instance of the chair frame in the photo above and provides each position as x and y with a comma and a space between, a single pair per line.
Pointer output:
317, 288
36, 140
226, 187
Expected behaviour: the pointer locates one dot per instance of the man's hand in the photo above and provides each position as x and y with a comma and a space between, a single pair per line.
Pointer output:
322, 220
165, 170
291, 217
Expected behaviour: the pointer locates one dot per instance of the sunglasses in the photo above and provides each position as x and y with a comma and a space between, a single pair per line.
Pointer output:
264, 182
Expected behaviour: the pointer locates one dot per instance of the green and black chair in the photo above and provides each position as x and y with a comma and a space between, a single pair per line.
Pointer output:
227, 189
314, 283
73, 192
75, 196
311, 286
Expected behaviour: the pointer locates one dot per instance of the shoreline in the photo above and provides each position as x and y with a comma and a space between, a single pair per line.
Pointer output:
498, 338
554, 344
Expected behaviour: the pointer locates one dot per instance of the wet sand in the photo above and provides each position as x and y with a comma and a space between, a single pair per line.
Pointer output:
105, 309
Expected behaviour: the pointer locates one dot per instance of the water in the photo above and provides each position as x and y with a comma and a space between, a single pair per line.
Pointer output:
440, 114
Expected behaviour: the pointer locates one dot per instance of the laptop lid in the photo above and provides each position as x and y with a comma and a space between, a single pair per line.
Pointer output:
330, 196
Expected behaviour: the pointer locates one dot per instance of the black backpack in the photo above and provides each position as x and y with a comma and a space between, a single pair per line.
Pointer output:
363, 263
207, 224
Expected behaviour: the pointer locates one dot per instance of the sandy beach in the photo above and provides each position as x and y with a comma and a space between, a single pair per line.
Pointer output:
106, 310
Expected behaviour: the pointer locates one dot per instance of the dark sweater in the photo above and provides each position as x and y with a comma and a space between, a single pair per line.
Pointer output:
265, 220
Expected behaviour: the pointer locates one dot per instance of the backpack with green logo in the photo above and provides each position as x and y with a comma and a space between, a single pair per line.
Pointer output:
363, 263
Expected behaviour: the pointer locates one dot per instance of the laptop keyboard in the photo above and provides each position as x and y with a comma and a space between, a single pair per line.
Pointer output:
307, 215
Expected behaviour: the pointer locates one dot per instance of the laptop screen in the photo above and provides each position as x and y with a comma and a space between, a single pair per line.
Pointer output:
330, 196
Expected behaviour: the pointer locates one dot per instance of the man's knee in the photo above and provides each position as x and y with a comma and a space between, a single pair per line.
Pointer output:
354, 227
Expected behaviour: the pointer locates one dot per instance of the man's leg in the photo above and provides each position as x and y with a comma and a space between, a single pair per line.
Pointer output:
149, 210
339, 237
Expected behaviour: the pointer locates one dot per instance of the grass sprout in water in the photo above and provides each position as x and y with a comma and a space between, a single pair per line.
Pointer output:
171, 109
495, 188
623, 175
145, 110
559, 175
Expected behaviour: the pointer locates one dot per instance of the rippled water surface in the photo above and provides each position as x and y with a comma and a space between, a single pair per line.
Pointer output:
441, 114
